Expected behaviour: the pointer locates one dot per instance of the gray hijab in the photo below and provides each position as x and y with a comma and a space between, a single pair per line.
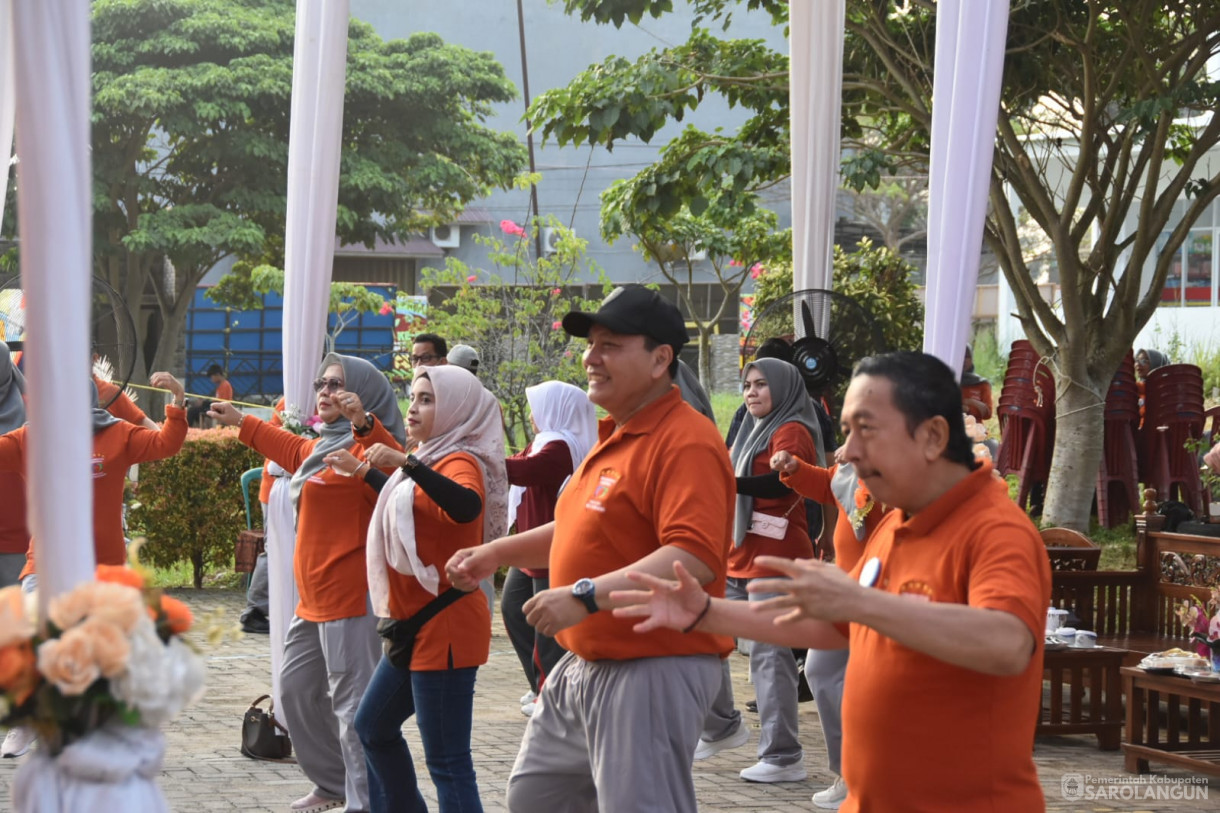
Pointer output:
692, 391
377, 396
12, 385
101, 418
789, 403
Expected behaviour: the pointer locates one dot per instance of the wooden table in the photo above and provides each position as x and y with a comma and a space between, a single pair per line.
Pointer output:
1186, 740
1101, 712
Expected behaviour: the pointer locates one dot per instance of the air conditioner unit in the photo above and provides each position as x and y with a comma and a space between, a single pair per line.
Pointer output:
446, 236
550, 239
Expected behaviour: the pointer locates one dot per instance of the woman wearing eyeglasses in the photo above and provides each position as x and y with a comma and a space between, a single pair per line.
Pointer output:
331, 647
451, 494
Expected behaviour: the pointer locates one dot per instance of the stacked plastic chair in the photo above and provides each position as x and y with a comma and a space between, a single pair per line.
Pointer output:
1173, 415
1027, 419
1118, 474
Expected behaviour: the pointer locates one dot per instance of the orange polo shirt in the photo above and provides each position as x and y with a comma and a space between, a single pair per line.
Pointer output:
115, 449
264, 485
813, 482
224, 391
795, 438
118, 404
980, 392
332, 520
663, 478
918, 733
460, 636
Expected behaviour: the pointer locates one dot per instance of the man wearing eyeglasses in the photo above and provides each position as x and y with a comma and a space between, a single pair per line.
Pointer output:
429, 350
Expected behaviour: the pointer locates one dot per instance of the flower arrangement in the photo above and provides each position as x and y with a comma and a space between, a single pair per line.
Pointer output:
863, 504
291, 420
1202, 618
110, 653
977, 432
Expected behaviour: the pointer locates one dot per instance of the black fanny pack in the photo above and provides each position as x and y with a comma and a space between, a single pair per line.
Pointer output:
399, 636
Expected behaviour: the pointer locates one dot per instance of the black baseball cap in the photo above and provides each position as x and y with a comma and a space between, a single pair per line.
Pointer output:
632, 310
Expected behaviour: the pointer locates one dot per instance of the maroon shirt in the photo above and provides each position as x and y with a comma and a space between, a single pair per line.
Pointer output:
541, 475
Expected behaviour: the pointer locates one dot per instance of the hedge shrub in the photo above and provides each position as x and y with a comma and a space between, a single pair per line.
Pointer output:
190, 506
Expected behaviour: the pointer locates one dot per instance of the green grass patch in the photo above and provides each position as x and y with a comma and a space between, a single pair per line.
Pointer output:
181, 574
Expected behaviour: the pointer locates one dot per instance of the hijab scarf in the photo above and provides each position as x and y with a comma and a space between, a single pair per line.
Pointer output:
693, 392
563, 412
467, 420
377, 397
789, 403
101, 418
12, 386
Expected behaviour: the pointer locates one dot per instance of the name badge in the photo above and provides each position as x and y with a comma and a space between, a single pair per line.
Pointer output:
870, 572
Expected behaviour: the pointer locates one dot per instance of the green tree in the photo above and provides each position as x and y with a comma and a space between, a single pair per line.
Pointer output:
190, 127
512, 315
1095, 143
731, 240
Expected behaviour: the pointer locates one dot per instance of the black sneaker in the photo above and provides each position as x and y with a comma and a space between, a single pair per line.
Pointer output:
255, 622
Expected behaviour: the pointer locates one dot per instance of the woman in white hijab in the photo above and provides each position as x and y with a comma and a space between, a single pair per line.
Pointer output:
450, 494
565, 427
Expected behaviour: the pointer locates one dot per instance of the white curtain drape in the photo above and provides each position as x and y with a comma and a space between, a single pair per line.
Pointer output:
314, 143
8, 99
54, 201
815, 95
969, 65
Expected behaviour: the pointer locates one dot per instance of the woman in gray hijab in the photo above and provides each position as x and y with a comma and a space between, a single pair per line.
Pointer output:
14, 536
770, 521
331, 647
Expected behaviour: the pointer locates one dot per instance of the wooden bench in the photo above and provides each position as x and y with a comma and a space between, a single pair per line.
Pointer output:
1131, 611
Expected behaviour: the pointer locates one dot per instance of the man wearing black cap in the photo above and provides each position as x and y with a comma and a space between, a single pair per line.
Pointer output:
619, 716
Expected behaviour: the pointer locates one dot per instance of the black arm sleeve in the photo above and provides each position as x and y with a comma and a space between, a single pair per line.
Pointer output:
376, 479
460, 503
764, 485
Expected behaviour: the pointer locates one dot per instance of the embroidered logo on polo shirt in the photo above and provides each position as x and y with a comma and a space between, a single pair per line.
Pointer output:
99, 466
317, 479
916, 589
606, 480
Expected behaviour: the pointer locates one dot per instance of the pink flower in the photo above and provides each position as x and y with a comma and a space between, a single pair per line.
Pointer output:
735, 263
556, 325
313, 421
556, 291
757, 270
386, 308
511, 228
471, 278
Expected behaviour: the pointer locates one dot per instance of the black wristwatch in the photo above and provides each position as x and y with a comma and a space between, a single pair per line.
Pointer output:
412, 464
584, 590
368, 424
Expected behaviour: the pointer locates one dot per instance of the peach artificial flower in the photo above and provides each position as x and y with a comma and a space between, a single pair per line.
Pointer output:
17, 673
68, 662
110, 646
117, 604
16, 622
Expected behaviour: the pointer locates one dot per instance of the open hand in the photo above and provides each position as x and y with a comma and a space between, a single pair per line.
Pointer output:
343, 462
664, 604
165, 381
809, 589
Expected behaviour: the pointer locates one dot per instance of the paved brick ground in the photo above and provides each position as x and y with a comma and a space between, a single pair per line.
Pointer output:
205, 772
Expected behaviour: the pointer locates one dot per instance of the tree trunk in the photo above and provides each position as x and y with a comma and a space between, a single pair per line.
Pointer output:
705, 359
197, 565
1079, 437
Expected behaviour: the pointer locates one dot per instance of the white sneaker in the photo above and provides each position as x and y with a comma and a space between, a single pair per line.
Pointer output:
528, 708
17, 741
737, 739
528, 697
832, 797
768, 772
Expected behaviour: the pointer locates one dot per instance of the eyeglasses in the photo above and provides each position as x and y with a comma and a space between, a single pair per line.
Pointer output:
327, 384
426, 358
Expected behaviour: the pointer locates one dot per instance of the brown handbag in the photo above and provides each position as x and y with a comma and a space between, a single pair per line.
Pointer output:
262, 736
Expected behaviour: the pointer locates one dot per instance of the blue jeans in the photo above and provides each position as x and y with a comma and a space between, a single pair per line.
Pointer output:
443, 705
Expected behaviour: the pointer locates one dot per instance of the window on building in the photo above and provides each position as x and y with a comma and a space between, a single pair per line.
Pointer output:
1191, 280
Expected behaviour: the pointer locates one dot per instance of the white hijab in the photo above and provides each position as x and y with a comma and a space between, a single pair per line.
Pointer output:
467, 420
562, 412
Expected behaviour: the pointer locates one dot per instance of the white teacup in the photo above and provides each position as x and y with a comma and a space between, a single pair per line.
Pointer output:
1066, 635
1085, 639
